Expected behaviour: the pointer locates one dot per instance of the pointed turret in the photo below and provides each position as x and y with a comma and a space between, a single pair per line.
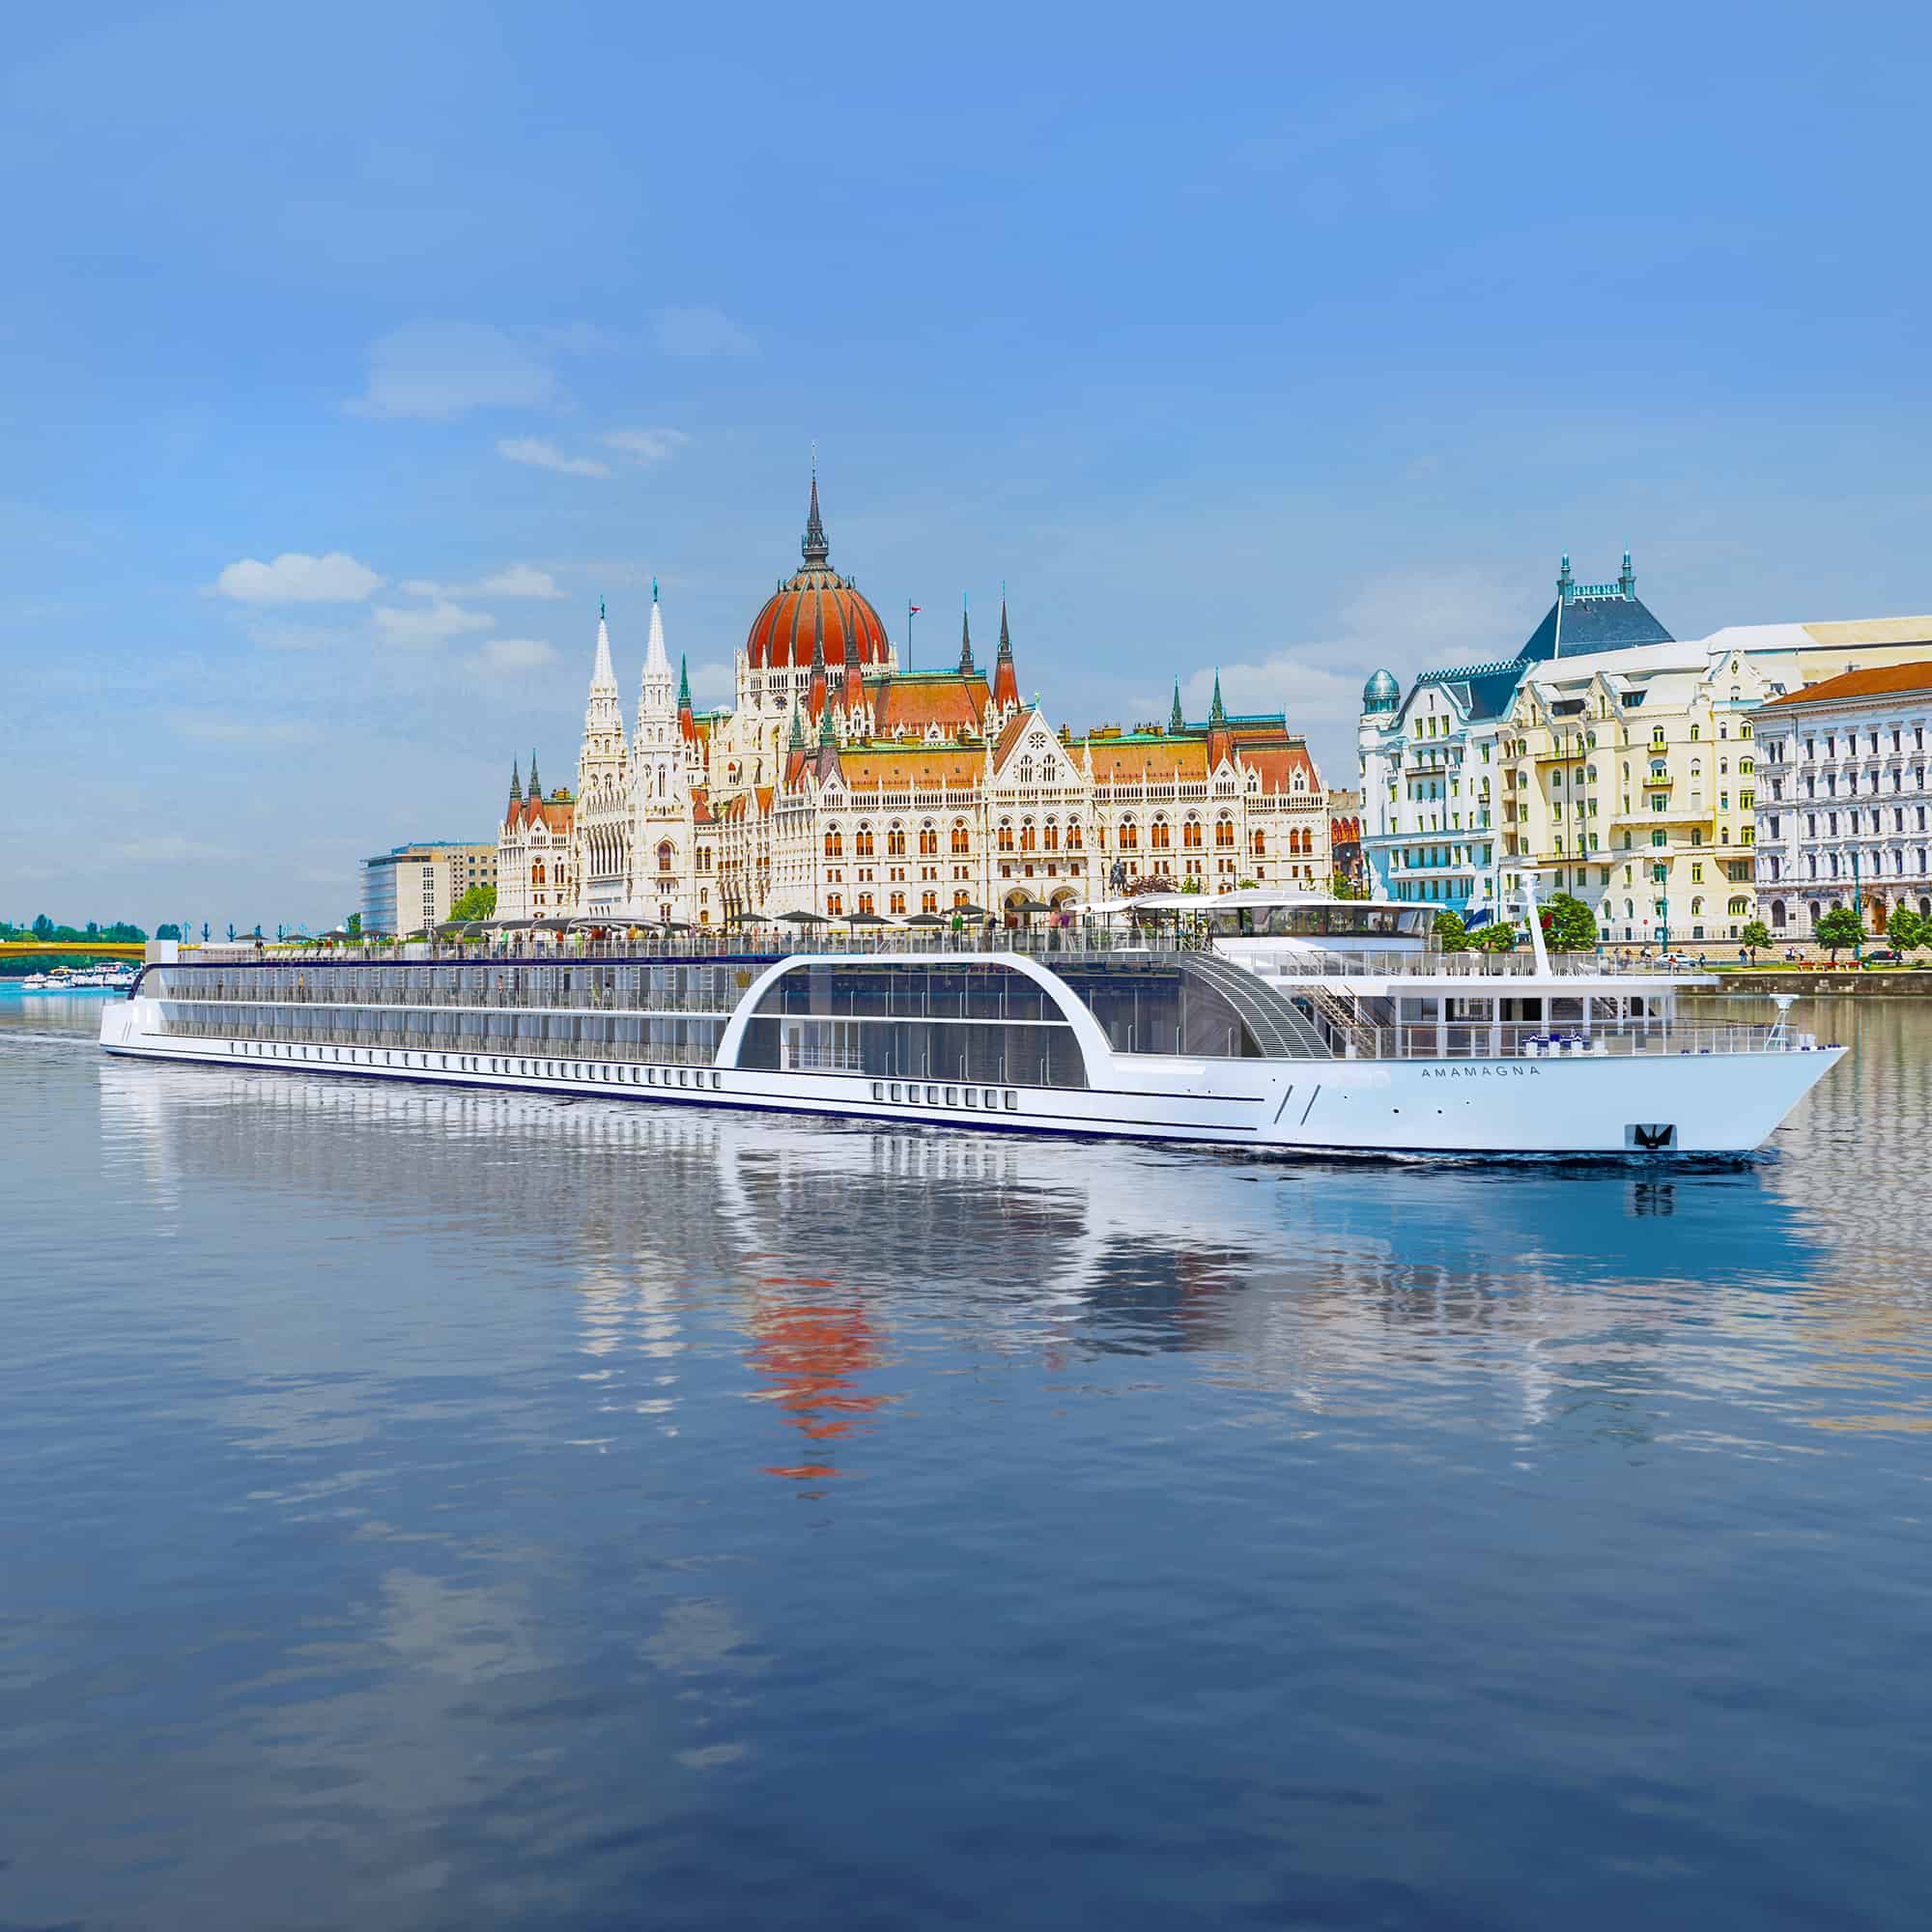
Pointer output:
1006, 681
536, 783
603, 710
812, 544
965, 640
797, 729
1176, 721
516, 785
687, 722
1627, 577
1217, 716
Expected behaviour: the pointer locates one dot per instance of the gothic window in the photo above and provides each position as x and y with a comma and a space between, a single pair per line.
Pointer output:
1073, 835
928, 901
835, 844
1028, 837
835, 904
1026, 771
895, 842
1006, 840
929, 840
1224, 833
895, 903
1258, 843
961, 838
665, 856
1157, 837
862, 843
1050, 835
866, 902
1190, 835
1130, 836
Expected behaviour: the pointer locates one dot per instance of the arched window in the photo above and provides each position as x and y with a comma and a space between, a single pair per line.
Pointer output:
537, 874
1130, 836
1738, 907
1029, 837
1073, 835
1190, 835
835, 844
1258, 843
862, 843
665, 856
928, 901
1049, 835
866, 902
1224, 833
961, 840
1006, 838
929, 840
895, 842
1158, 837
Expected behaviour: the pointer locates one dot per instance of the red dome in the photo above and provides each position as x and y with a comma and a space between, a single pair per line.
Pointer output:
816, 602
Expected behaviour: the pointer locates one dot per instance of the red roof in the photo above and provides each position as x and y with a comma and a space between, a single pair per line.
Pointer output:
1880, 683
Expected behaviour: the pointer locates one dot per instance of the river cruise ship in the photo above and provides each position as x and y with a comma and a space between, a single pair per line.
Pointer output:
1274, 1022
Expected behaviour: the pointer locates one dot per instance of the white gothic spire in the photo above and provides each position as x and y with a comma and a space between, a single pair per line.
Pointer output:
657, 694
603, 714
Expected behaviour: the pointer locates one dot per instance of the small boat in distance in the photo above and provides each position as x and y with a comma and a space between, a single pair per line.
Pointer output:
1275, 1021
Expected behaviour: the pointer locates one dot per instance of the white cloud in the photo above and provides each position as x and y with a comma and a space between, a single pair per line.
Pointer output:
542, 455
434, 624
214, 727
647, 445
1283, 681
701, 331
168, 848
713, 684
519, 579
297, 578
510, 657
440, 370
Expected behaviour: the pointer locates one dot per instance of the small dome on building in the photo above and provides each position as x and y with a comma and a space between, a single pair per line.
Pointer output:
1381, 693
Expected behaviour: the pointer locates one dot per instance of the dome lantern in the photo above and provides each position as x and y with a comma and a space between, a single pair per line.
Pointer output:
1382, 694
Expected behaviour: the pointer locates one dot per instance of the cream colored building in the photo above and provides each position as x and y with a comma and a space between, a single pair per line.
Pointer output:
1631, 779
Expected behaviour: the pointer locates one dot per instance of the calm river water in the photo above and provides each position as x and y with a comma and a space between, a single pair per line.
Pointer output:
421, 1510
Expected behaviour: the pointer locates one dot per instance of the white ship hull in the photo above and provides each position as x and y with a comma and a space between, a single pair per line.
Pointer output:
1684, 1103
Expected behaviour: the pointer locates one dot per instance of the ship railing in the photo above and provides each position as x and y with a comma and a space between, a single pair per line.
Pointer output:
1659, 1038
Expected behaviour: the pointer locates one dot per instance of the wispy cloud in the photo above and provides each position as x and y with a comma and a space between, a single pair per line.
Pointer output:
520, 580
702, 331
540, 454
168, 848
432, 624
647, 445
440, 370
297, 578
215, 728
713, 684
511, 657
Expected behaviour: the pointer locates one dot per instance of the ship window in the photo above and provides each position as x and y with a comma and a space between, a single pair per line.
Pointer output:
991, 1098
972, 1096
952, 1097
896, 1090
1013, 1101
878, 1090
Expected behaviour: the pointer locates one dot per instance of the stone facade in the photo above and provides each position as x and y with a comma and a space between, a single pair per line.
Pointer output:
841, 785
1844, 812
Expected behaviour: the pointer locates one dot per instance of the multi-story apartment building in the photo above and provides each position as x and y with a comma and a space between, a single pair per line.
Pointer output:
1844, 813
1599, 761
414, 887
1433, 807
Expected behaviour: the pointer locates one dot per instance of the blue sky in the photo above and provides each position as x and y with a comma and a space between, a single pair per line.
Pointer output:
1293, 340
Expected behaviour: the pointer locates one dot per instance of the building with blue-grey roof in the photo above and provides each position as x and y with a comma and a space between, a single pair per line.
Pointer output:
1432, 807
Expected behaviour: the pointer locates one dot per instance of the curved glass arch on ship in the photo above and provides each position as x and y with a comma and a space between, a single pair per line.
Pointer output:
1322, 918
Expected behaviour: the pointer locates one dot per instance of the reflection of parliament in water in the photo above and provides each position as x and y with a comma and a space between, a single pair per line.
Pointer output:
816, 1250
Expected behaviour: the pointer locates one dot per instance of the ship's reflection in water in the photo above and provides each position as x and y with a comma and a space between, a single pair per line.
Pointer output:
436, 1507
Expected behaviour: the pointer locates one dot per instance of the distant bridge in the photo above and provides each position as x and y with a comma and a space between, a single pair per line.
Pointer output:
95, 949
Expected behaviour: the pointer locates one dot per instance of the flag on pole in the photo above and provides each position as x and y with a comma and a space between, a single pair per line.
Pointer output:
913, 610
